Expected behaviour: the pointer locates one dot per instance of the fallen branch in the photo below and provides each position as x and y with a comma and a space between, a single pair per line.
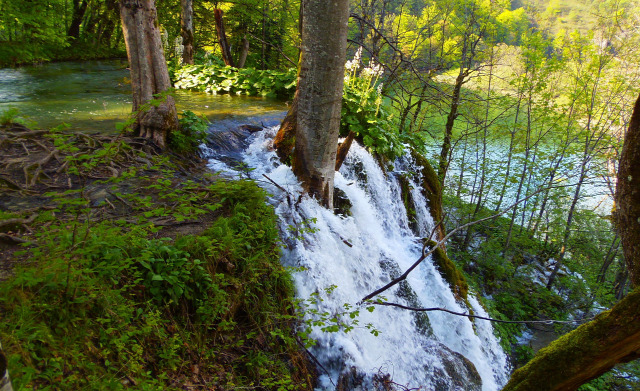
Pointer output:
11, 239
404, 275
18, 221
548, 322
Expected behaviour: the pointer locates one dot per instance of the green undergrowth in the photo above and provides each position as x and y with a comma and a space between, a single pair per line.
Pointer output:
160, 283
504, 278
217, 79
363, 110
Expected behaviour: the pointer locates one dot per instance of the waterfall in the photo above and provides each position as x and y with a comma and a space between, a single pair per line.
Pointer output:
341, 258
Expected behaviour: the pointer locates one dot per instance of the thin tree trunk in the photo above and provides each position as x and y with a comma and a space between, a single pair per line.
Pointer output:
186, 30
149, 74
608, 260
78, 13
222, 38
443, 164
244, 52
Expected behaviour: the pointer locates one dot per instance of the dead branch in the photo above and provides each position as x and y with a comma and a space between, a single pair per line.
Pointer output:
548, 322
18, 221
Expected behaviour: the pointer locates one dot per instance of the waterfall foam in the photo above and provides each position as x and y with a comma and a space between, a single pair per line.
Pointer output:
359, 253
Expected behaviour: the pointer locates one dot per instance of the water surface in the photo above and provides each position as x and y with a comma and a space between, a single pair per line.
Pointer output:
94, 95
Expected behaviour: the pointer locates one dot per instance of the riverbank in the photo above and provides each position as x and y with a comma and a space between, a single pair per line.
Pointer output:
127, 267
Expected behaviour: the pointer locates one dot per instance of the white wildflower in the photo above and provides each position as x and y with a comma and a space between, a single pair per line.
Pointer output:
367, 73
358, 55
379, 89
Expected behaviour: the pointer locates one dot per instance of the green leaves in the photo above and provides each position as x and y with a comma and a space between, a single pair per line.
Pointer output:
216, 79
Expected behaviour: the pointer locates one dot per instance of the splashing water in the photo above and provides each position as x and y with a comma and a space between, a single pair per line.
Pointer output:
359, 253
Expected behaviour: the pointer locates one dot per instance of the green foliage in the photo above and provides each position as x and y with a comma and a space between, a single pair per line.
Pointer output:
216, 79
192, 133
111, 303
363, 112
10, 116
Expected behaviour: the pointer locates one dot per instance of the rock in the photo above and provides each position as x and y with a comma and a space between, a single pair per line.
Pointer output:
457, 372
341, 203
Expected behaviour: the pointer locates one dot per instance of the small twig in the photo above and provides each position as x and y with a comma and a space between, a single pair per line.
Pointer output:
275, 184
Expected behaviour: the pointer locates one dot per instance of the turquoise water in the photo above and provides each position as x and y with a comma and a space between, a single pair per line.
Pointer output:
94, 95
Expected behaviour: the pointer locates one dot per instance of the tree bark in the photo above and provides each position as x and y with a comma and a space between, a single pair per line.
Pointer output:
628, 197
614, 336
222, 38
149, 75
320, 83
243, 54
285, 139
186, 30
76, 20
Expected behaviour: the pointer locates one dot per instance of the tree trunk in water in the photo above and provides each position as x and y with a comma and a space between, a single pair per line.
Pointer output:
5, 381
285, 140
76, 20
614, 336
149, 75
320, 84
222, 38
186, 31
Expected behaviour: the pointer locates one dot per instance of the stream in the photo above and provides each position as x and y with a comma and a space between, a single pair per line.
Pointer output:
338, 258
95, 95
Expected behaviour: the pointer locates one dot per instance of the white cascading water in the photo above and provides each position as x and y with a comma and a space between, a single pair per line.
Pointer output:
358, 254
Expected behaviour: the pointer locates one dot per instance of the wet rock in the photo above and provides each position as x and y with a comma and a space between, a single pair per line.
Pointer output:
421, 319
456, 373
341, 203
351, 379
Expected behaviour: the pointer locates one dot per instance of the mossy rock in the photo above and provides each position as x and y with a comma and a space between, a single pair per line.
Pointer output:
586, 352
421, 319
450, 272
409, 202
341, 203
431, 189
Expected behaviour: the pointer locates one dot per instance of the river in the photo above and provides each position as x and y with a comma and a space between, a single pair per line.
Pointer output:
94, 95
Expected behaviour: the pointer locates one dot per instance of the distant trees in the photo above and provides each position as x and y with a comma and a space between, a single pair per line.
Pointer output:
186, 30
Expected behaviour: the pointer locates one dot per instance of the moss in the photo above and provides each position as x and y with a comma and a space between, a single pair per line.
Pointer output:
431, 190
405, 193
450, 273
585, 353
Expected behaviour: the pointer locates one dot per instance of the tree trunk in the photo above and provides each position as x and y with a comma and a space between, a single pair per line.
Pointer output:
243, 54
78, 13
443, 164
186, 31
320, 84
614, 336
149, 75
222, 38
627, 212
285, 140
